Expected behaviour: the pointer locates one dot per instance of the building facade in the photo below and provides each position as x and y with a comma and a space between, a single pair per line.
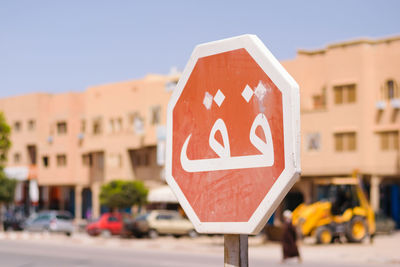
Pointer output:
350, 117
73, 143
70, 144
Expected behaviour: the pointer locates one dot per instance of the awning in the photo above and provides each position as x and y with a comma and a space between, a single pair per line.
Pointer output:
162, 194
17, 173
19, 192
33, 191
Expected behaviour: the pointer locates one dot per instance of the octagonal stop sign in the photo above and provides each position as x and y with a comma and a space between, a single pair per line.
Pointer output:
233, 136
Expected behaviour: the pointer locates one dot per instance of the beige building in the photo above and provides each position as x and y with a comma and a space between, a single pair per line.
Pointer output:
350, 107
122, 128
72, 143
44, 131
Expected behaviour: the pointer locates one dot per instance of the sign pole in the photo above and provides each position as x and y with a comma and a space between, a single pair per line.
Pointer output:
236, 251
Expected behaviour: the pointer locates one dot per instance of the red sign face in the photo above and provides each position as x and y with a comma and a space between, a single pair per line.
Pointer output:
228, 141
233, 136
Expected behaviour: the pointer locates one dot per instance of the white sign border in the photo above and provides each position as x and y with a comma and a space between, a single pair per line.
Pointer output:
291, 122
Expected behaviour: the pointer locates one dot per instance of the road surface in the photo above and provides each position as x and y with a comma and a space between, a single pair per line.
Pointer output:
97, 252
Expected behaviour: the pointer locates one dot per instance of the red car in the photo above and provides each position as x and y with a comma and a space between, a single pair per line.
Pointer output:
108, 224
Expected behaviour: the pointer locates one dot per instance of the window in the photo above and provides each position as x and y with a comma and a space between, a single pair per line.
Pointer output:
61, 160
345, 141
319, 100
99, 160
389, 140
112, 219
17, 158
142, 158
97, 129
345, 94
142, 217
32, 153
61, 127
338, 95
42, 218
391, 90
155, 115
17, 126
64, 217
137, 123
313, 141
115, 125
164, 217
45, 161
31, 125
87, 160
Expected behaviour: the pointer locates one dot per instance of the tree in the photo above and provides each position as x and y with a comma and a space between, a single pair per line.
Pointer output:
7, 189
119, 194
7, 186
5, 143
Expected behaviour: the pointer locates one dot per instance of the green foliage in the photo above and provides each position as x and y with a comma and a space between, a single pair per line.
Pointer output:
5, 142
7, 188
123, 194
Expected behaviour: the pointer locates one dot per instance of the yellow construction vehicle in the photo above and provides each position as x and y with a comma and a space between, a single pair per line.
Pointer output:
343, 210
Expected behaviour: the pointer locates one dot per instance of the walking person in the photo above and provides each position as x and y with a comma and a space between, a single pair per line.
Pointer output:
289, 238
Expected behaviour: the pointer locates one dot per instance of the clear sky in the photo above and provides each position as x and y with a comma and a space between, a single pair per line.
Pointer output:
58, 46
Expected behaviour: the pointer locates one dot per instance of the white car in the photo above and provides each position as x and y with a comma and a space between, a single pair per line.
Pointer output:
164, 222
50, 221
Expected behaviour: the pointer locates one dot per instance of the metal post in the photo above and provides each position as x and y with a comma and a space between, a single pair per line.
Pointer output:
236, 251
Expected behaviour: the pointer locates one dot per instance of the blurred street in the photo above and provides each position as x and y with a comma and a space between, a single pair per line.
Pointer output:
41, 249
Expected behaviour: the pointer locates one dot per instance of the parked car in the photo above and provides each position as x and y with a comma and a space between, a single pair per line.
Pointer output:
108, 224
384, 224
50, 221
158, 222
14, 220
